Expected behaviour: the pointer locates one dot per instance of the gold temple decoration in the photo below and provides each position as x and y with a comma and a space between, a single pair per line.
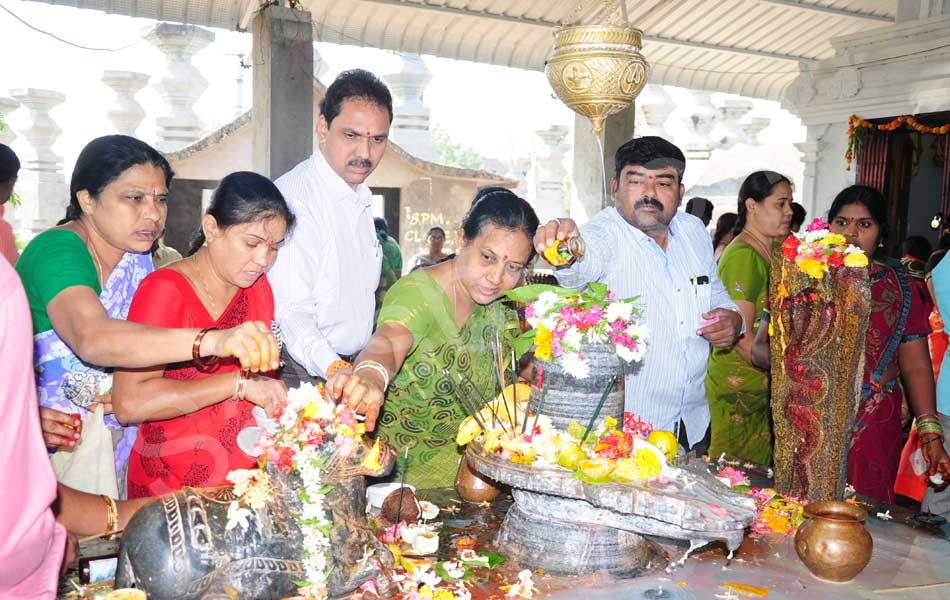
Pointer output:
597, 70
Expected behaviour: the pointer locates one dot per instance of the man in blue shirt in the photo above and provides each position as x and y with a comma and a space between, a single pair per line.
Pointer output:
643, 246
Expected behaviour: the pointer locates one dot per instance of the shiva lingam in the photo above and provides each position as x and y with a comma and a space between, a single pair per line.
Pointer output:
568, 526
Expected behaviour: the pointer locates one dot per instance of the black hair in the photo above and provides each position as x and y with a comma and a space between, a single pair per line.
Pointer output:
757, 186
381, 225
104, 160
798, 215
433, 229
9, 163
355, 83
500, 207
725, 224
245, 197
934, 259
651, 152
918, 247
870, 198
695, 203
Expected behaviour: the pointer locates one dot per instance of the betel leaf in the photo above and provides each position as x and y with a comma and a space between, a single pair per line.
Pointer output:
530, 293
493, 559
597, 290
523, 343
441, 572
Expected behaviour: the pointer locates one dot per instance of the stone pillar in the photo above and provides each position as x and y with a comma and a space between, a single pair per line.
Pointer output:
518, 170
594, 160
727, 131
126, 114
700, 123
656, 106
753, 127
181, 85
550, 199
41, 186
410, 128
282, 110
7, 106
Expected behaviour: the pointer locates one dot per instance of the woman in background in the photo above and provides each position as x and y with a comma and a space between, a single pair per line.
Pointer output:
737, 391
725, 231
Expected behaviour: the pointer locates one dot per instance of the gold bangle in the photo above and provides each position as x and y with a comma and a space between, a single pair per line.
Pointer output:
237, 386
112, 516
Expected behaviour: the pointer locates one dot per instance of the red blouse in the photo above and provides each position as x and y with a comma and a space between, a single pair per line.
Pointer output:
200, 448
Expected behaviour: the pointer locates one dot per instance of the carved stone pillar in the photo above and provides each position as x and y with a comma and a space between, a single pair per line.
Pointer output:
181, 85
753, 127
811, 150
410, 127
656, 106
550, 199
7, 106
727, 132
126, 113
41, 185
700, 123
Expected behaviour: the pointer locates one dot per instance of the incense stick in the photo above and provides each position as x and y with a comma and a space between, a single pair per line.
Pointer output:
537, 413
402, 483
468, 382
464, 400
500, 377
600, 404
514, 390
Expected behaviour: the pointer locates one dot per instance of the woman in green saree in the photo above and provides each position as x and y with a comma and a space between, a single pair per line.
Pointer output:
443, 318
738, 392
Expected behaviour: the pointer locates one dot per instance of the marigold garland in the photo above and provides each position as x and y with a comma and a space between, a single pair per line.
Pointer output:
908, 120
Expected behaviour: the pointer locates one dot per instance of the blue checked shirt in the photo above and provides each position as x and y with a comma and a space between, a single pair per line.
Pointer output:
675, 288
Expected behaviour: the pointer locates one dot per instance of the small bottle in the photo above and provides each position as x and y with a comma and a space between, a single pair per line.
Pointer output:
565, 252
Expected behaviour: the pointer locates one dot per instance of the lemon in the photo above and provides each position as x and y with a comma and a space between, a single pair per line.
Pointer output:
597, 468
569, 456
666, 442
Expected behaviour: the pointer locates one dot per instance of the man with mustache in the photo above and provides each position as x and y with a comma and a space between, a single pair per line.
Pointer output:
643, 246
326, 274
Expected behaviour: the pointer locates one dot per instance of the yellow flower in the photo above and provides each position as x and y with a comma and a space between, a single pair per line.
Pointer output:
856, 260
542, 341
834, 238
642, 465
610, 423
310, 410
812, 268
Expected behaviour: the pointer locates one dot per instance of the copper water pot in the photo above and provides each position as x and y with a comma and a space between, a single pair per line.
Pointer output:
833, 542
472, 486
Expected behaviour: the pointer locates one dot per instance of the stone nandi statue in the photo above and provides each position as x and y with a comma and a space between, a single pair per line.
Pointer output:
178, 547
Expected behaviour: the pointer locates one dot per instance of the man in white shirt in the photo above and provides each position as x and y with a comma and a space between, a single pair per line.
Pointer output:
326, 274
643, 246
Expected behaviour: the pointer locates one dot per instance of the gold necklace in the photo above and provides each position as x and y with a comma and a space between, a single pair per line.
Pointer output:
760, 246
214, 308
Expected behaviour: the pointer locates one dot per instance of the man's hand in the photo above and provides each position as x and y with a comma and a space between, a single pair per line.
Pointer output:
363, 392
722, 327
553, 231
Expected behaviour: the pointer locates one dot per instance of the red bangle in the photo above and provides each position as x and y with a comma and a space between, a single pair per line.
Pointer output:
196, 350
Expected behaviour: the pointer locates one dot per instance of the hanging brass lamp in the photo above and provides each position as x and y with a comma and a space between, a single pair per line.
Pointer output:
597, 70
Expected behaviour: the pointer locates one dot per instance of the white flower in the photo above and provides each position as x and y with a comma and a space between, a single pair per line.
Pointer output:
626, 354
574, 365
619, 310
237, 516
572, 339
638, 331
454, 569
524, 588
885, 516
461, 592
545, 302
423, 576
428, 510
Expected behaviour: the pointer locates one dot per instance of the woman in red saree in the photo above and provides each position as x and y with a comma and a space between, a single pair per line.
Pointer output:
191, 413
895, 346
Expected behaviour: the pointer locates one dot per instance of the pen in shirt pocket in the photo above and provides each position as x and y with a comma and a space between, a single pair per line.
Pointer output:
702, 291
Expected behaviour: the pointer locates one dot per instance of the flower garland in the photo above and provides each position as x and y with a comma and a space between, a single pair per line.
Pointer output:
310, 428
817, 250
855, 120
563, 319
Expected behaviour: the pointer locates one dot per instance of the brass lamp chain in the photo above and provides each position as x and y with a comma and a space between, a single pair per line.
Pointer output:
610, 7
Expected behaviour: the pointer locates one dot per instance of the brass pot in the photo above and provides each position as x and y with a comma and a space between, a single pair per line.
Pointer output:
472, 486
833, 542
596, 70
